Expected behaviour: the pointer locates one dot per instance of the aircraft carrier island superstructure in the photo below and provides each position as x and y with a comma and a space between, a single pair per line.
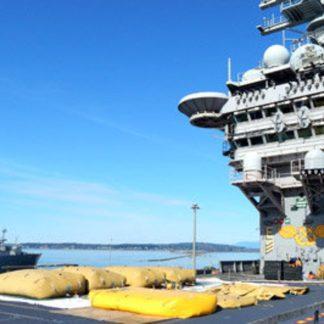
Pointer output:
273, 124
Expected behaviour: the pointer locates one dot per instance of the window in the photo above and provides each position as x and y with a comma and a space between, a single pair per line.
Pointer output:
242, 142
239, 118
270, 112
319, 130
304, 133
302, 103
318, 102
256, 140
256, 114
270, 138
286, 136
286, 109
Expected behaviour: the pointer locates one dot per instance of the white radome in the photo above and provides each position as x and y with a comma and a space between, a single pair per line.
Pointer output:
252, 161
314, 159
276, 55
307, 55
253, 75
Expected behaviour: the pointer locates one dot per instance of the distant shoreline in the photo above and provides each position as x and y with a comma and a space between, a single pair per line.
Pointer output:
174, 247
122, 250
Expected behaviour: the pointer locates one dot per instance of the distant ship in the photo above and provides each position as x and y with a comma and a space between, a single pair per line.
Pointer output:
12, 257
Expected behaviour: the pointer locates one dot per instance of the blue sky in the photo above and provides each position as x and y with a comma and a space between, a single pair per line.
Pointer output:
92, 145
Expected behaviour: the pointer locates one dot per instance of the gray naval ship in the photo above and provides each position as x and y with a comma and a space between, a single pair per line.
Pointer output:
12, 257
273, 125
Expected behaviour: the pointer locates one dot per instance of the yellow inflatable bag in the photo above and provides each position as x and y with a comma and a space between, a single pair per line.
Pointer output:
77, 282
176, 275
98, 278
237, 289
41, 284
232, 301
163, 303
139, 277
244, 294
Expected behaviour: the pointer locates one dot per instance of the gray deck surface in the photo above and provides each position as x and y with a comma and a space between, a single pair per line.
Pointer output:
23, 313
306, 317
263, 309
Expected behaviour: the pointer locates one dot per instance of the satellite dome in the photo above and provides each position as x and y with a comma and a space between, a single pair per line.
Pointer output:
276, 55
307, 56
252, 75
314, 159
252, 162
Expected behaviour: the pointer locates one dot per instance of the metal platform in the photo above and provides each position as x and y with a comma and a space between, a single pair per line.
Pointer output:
263, 194
294, 12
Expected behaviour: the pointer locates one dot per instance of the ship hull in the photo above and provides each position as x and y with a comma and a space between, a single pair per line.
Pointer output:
14, 262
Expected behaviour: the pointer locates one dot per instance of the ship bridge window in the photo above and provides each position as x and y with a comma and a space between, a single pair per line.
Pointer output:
305, 133
286, 109
302, 103
318, 102
286, 136
242, 142
271, 138
258, 140
239, 118
319, 130
270, 111
257, 114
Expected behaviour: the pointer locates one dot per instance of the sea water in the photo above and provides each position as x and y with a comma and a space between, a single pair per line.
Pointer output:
138, 258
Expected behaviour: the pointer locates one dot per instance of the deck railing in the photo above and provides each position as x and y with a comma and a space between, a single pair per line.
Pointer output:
267, 174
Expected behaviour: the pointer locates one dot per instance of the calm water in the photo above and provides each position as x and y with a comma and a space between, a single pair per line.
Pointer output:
136, 258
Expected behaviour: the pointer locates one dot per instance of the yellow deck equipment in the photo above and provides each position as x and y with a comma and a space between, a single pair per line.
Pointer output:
164, 303
140, 276
176, 275
245, 294
98, 278
41, 284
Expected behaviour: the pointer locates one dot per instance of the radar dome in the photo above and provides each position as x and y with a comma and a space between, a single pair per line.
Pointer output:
252, 75
252, 162
307, 56
276, 55
314, 159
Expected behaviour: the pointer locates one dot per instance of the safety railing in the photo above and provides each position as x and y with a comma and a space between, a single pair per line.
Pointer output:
289, 3
267, 174
273, 21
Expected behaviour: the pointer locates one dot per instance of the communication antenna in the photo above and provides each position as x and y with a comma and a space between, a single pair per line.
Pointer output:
295, 41
194, 208
229, 69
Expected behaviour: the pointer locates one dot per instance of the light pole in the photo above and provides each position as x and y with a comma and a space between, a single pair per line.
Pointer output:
194, 207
